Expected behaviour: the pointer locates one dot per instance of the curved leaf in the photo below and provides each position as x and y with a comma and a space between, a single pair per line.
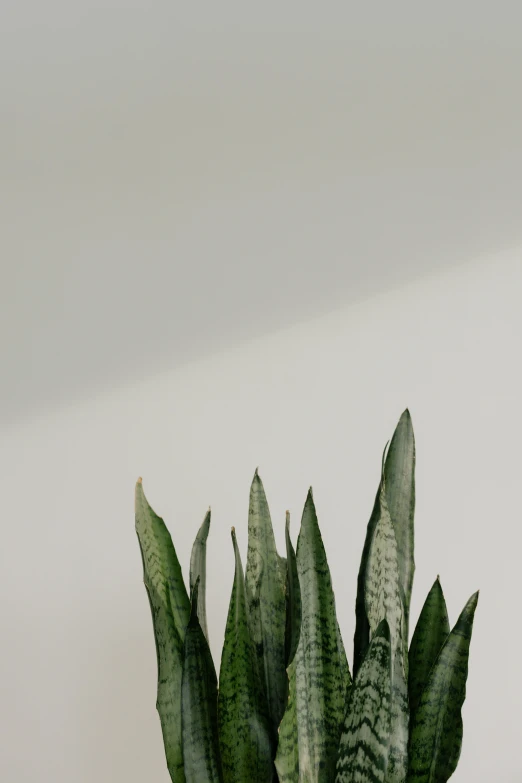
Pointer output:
430, 633
363, 748
293, 598
384, 600
198, 570
399, 478
317, 675
436, 732
199, 705
265, 585
170, 608
244, 732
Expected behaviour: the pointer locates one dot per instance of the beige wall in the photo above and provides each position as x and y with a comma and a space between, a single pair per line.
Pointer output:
310, 405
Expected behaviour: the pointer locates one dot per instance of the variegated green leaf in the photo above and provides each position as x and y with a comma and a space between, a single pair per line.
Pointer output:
399, 477
384, 600
198, 570
293, 598
361, 637
436, 732
244, 731
430, 633
363, 749
199, 705
170, 608
265, 578
346, 678
317, 675
287, 758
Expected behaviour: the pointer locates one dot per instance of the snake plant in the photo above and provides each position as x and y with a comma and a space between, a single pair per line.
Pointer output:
285, 707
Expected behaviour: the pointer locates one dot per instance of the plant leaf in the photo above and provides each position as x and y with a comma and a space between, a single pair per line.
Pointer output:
317, 679
361, 637
244, 731
293, 598
346, 678
198, 570
436, 732
384, 600
287, 758
265, 585
430, 633
363, 748
399, 479
170, 608
199, 705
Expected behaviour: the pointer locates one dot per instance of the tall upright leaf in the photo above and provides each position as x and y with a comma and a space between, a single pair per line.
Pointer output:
287, 758
399, 477
430, 633
363, 748
199, 705
383, 597
198, 570
436, 732
170, 608
361, 637
244, 731
265, 585
317, 675
293, 598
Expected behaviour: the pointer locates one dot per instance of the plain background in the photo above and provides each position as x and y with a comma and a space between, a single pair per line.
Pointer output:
234, 239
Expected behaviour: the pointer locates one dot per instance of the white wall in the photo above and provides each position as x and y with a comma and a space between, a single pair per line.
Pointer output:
314, 404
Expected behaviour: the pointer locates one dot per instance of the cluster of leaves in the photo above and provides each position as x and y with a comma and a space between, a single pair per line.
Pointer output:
287, 708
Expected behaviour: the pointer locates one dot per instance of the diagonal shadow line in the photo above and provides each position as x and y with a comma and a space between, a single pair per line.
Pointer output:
165, 327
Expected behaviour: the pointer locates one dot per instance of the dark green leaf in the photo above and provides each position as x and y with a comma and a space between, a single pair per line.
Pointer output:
170, 608
199, 705
265, 585
244, 731
431, 632
198, 570
399, 477
384, 600
317, 676
361, 637
293, 599
436, 732
363, 749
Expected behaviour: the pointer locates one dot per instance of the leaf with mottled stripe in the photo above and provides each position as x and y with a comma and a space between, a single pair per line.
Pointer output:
198, 570
293, 598
399, 478
436, 732
383, 600
244, 732
199, 705
287, 758
363, 748
361, 637
430, 633
265, 577
346, 678
317, 676
170, 608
